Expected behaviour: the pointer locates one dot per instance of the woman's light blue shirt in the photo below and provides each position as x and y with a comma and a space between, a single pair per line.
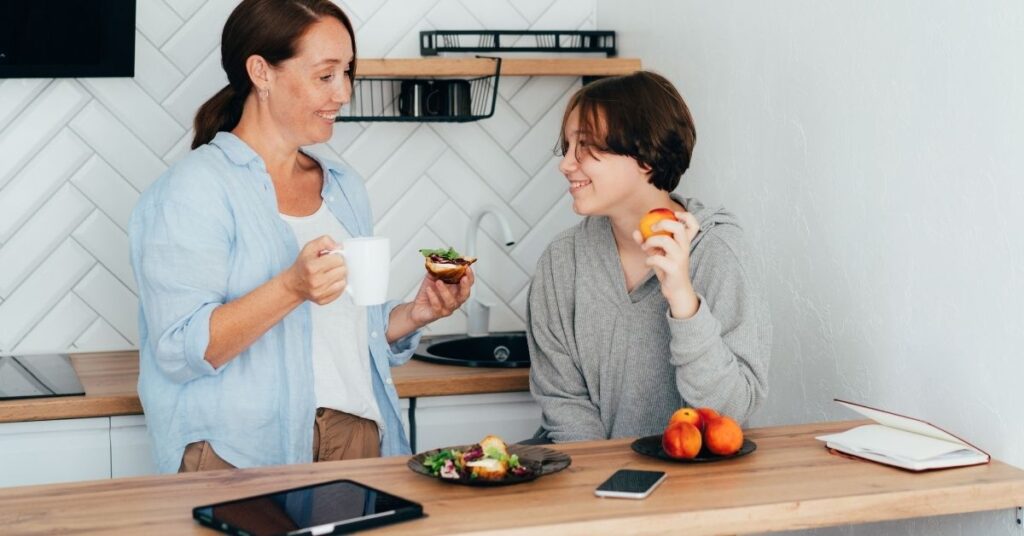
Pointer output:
208, 232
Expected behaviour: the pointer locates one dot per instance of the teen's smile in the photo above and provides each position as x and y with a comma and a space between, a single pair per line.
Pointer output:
575, 186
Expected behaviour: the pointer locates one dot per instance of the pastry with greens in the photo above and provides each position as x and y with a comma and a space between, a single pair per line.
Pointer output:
446, 264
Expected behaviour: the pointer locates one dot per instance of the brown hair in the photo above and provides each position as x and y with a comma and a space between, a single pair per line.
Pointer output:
640, 115
268, 28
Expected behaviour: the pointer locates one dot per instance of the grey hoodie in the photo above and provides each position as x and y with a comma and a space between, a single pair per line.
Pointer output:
607, 363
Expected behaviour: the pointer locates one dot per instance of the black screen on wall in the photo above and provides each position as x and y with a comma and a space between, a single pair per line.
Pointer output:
67, 38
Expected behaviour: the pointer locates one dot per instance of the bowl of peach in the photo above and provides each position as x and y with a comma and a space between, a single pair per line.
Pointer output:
697, 435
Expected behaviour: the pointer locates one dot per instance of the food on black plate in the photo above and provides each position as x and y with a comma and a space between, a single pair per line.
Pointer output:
487, 460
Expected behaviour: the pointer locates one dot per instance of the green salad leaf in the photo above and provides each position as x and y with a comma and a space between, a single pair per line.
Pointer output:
436, 462
449, 253
492, 452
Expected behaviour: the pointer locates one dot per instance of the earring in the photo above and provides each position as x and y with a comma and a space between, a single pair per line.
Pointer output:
263, 93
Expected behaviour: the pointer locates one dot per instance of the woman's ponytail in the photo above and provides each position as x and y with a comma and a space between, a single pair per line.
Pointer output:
221, 112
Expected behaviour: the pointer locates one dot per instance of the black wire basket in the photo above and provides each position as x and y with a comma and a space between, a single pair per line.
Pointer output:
452, 100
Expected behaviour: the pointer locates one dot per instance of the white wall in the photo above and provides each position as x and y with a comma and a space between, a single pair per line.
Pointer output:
875, 151
75, 153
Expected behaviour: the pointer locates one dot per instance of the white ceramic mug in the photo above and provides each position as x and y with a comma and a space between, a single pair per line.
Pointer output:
368, 259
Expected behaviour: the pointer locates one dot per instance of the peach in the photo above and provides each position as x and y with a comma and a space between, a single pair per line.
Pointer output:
689, 415
681, 440
706, 414
723, 436
652, 217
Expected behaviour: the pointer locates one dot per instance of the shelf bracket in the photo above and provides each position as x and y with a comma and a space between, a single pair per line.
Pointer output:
1020, 517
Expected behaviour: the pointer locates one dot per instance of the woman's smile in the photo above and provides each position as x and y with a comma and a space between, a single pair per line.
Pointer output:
328, 115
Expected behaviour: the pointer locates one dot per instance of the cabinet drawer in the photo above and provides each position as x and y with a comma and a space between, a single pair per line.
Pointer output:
46, 452
131, 451
443, 421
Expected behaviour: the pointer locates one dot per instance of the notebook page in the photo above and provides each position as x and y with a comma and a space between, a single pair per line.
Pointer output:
904, 423
895, 443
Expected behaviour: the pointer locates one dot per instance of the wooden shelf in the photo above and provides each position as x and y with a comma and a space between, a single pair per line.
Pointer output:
509, 67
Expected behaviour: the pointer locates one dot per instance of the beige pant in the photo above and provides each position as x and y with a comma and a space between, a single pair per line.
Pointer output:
336, 436
341, 436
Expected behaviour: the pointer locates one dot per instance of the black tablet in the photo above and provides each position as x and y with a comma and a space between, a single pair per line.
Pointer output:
335, 507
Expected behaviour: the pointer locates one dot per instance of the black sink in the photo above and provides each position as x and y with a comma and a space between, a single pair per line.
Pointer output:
506, 349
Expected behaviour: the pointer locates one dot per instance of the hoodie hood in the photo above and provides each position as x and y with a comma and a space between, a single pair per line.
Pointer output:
707, 217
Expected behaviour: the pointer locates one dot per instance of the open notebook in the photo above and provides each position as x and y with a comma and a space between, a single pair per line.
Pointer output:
903, 442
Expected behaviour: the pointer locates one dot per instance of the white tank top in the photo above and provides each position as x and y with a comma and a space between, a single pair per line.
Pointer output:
341, 351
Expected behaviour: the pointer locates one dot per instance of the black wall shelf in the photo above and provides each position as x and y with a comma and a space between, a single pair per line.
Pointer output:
433, 42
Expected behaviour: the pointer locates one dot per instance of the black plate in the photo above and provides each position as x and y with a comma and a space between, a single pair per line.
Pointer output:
651, 446
541, 461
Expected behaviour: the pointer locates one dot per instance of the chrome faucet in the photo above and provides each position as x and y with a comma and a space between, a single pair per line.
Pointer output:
478, 314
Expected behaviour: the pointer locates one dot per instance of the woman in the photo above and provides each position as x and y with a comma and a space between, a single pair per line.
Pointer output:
624, 331
250, 354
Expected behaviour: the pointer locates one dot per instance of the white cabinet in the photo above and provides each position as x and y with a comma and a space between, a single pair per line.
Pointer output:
45, 452
443, 421
69, 450
131, 451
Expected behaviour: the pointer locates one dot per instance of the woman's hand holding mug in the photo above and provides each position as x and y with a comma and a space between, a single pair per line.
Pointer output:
317, 277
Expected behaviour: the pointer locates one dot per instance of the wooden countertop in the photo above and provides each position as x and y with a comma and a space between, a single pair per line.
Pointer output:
790, 482
110, 381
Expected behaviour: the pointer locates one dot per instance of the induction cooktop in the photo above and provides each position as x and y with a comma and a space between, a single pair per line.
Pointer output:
34, 376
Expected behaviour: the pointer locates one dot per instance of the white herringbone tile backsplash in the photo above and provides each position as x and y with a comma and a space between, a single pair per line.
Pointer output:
75, 153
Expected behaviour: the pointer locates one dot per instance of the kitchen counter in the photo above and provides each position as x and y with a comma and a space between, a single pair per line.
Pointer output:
110, 381
789, 482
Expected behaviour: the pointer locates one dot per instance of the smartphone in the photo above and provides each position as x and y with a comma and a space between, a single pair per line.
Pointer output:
630, 484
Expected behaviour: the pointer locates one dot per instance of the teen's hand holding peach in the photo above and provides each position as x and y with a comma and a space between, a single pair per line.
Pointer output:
669, 256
